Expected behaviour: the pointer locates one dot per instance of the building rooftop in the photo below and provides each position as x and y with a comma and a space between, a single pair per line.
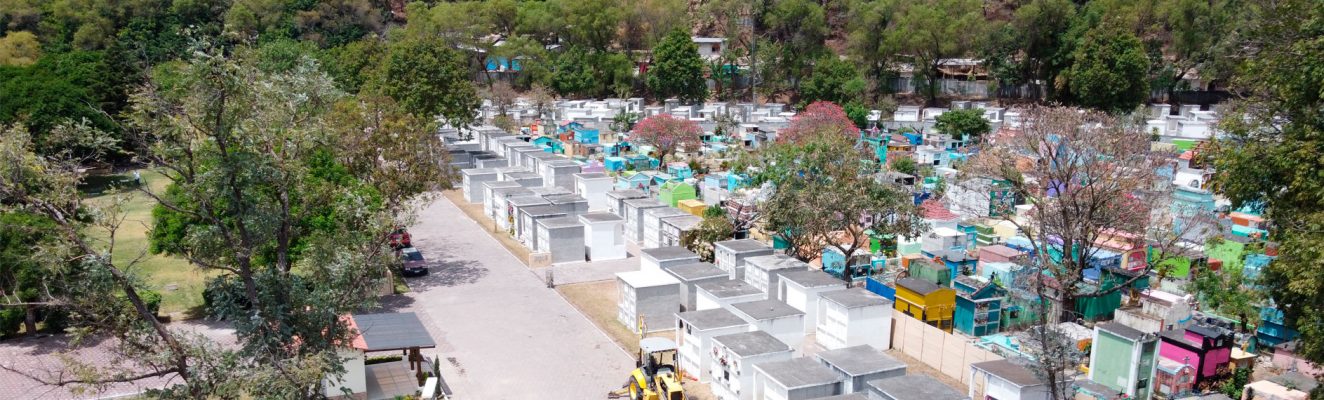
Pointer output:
915, 387
1011, 372
741, 245
392, 331
760, 310
1001, 250
918, 286
561, 163
855, 298
728, 288
852, 396
644, 203
523, 201
695, 271
638, 279
746, 344
663, 212
812, 278
683, 222
564, 199
711, 319
860, 360
600, 216
501, 184
543, 210
522, 175
774, 262
560, 222
1118, 329
798, 373
627, 194
593, 175
478, 171
669, 253
1209, 331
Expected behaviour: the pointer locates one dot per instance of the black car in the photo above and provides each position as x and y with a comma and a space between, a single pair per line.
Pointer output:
414, 265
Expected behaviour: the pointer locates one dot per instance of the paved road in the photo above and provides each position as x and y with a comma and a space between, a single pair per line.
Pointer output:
26, 363
501, 333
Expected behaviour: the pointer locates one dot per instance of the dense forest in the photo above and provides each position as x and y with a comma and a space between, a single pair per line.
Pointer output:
271, 120
79, 60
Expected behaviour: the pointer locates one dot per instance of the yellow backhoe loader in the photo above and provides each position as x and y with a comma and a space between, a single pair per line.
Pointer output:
656, 376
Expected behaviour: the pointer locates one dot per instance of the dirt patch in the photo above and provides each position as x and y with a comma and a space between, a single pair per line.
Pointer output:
914, 366
475, 212
598, 300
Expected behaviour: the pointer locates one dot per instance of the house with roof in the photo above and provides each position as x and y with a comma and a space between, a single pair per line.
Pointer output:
912, 387
937, 215
734, 357
695, 331
1208, 348
1123, 360
412, 375
857, 365
797, 378
1158, 311
1269, 390
926, 302
978, 306
1007, 380
1173, 379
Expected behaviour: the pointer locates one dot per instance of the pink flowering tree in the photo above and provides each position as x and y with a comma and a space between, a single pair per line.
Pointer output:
666, 134
821, 118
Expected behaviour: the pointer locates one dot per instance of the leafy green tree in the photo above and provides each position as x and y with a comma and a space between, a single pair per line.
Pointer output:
1110, 71
677, 70
429, 79
25, 276
905, 165
796, 30
714, 227
858, 114
833, 80
61, 89
1029, 48
354, 64
865, 19
592, 24
300, 230
1269, 156
823, 196
932, 31
1202, 35
1228, 292
957, 123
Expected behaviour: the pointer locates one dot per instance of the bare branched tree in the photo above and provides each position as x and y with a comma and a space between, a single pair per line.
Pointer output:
1089, 182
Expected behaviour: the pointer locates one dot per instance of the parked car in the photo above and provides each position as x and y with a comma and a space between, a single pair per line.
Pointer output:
400, 239
414, 264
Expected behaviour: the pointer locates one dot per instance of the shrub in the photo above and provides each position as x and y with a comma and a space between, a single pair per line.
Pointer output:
11, 318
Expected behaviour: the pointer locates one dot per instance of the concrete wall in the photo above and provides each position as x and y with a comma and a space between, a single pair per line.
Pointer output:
839, 327
355, 378
949, 353
605, 240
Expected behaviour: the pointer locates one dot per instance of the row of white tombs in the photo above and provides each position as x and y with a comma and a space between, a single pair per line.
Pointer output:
739, 322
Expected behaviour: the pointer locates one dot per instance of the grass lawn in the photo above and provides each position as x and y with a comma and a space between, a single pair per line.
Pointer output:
598, 301
179, 283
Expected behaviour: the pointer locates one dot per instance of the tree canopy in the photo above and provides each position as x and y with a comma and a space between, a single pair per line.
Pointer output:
677, 70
